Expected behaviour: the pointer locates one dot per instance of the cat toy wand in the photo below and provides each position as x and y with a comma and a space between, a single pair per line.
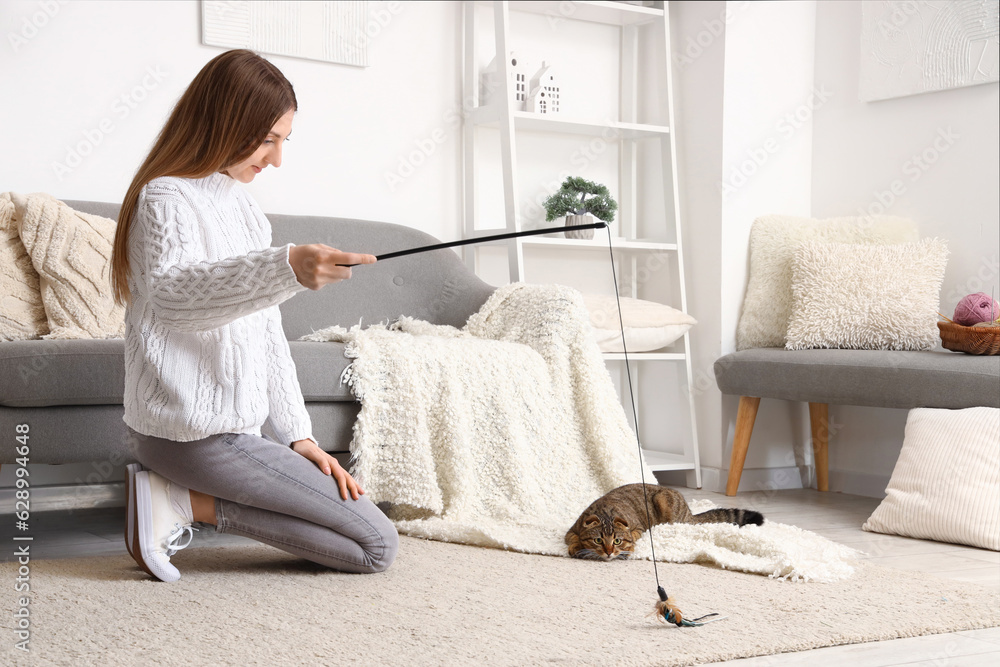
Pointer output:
485, 239
665, 609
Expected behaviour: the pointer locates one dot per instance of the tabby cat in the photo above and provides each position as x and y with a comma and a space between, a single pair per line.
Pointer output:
609, 528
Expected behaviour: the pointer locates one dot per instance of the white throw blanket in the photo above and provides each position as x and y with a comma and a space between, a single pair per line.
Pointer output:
500, 434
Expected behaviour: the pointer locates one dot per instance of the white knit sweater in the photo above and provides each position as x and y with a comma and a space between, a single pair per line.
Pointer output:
204, 349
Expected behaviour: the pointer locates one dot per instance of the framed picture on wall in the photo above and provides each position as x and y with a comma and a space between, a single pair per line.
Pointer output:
918, 47
334, 32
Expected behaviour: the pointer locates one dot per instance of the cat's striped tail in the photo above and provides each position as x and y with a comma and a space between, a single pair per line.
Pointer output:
740, 517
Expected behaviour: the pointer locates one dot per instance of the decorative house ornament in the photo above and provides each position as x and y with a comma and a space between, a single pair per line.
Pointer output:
543, 94
489, 80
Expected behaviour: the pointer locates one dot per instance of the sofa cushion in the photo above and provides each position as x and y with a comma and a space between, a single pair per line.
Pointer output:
319, 367
866, 297
41, 373
946, 483
62, 372
434, 286
648, 325
99, 434
71, 251
874, 378
773, 240
22, 315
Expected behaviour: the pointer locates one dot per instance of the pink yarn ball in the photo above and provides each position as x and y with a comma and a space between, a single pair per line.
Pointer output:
976, 308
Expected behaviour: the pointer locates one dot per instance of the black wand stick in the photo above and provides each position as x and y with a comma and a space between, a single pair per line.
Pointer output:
485, 239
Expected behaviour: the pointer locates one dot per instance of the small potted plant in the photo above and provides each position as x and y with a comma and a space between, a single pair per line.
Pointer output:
578, 199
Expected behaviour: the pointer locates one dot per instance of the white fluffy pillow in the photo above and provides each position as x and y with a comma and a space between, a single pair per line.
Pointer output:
648, 325
946, 483
866, 297
22, 315
773, 240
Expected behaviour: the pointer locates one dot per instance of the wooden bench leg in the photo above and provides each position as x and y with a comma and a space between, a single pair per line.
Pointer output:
746, 414
819, 422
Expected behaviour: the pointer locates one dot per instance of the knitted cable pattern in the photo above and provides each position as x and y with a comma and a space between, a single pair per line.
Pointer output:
205, 352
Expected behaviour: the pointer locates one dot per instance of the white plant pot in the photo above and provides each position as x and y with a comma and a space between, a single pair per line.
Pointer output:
579, 220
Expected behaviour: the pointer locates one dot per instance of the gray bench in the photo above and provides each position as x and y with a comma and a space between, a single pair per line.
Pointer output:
873, 378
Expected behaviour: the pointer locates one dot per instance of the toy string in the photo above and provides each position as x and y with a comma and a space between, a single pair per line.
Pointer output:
635, 420
635, 417
665, 608
487, 239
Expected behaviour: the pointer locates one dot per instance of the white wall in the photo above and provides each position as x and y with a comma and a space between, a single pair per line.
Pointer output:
354, 125
745, 96
698, 43
941, 150
766, 166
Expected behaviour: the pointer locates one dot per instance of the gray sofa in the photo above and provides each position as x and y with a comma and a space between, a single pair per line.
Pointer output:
70, 392
873, 378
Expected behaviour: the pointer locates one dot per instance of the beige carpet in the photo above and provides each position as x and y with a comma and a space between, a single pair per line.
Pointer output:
449, 604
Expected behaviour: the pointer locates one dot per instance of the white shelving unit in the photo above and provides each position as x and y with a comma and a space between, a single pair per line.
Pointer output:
626, 131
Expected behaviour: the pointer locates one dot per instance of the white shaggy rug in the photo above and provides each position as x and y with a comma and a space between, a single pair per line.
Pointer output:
450, 604
500, 434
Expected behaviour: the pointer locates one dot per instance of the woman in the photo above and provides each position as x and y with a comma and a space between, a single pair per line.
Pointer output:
207, 364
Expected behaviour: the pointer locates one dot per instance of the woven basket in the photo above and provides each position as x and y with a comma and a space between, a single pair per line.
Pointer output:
971, 340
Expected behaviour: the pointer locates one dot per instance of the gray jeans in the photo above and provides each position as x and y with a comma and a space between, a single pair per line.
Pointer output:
268, 492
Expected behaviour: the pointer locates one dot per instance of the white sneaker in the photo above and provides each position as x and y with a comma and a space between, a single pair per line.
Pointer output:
132, 469
162, 518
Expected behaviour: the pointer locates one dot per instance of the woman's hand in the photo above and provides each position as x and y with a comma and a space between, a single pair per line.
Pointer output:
316, 264
330, 466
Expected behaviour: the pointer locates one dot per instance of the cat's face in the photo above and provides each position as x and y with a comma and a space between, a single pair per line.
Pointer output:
606, 540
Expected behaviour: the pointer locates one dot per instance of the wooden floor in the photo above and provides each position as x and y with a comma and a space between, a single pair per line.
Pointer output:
833, 515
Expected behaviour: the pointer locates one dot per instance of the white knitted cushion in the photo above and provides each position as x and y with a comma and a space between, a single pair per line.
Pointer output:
71, 251
648, 325
866, 297
773, 240
22, 315
946, 483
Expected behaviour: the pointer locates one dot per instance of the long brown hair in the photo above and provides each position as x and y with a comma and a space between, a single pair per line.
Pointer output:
219, 121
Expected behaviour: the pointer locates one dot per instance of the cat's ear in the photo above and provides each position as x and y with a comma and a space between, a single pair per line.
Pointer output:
591, 521
621, 523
